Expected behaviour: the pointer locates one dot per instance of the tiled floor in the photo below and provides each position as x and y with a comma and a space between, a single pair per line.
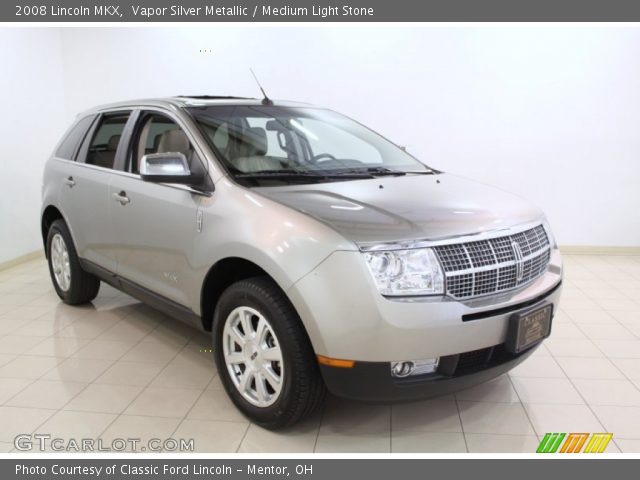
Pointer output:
119, 369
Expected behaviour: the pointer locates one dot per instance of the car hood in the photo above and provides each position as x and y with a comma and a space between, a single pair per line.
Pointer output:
390, 209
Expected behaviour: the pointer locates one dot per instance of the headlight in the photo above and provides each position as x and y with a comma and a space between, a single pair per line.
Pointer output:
406, 272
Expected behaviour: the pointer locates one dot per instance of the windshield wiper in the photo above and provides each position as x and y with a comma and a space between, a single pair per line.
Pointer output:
291, 173
285, 172
381, 172
346, 174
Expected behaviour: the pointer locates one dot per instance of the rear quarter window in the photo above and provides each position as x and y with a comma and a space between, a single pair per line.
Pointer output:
74, 136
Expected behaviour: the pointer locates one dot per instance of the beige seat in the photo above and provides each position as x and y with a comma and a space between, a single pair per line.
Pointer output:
107, 157
251, 150
174, 140
112, 145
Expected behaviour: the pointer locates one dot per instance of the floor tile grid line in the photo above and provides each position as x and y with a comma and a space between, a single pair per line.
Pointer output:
26, 303
244, 435
464, 435
604, 429
603, 307
76, 317
186, 415
53, 412
618, 322
630, 380
622, 272
185, 346
145, 386
9, 360
588, 337
323, 410
56, 366
636, 276
22, 303
12, 309
20, 327
390, 429
526, 412
125, 408
578, 325
33, 380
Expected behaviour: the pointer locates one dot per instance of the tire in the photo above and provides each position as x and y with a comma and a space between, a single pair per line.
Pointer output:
78, 286
301, 388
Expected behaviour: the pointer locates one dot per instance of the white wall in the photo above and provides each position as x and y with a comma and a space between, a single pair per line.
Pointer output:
32, 120
552, 113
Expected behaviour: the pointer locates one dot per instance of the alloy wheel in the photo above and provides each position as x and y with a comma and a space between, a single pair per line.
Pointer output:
60, 262
253, 356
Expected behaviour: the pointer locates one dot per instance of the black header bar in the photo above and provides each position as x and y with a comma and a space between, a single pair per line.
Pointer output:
320, 11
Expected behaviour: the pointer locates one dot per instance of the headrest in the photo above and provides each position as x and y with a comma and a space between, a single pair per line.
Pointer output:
221, 137
255, 140
112, 144
174, 141
156, 142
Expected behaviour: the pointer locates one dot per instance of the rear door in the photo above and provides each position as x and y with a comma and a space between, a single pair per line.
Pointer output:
85, 191
155, 224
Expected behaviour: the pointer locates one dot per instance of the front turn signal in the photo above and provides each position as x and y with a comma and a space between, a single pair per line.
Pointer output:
335, 362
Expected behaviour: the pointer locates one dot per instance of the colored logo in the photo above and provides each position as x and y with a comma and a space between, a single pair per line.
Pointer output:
574, 443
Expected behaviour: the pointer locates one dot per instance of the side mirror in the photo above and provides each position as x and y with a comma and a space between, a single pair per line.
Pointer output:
170, 167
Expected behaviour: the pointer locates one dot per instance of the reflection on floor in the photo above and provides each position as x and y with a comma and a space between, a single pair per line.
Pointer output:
119, 369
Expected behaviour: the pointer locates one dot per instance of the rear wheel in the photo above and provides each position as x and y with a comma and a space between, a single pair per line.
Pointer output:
72, 284
264, 357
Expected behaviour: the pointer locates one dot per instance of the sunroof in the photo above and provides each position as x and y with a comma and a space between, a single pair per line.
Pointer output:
213, 97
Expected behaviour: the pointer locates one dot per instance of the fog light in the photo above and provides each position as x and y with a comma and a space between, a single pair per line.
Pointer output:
402, 369
414, 367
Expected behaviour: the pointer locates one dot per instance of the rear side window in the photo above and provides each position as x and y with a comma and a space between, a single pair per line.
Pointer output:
105, 141
69, 145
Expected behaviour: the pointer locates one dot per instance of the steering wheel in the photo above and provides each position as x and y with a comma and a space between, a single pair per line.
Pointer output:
319, 158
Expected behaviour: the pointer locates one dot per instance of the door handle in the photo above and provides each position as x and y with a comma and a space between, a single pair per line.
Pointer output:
121, 197
69, 182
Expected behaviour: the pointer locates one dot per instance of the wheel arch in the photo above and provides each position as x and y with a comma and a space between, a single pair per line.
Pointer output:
49, 215
221, 275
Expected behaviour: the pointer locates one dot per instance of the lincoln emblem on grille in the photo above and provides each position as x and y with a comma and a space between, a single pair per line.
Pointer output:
517, 254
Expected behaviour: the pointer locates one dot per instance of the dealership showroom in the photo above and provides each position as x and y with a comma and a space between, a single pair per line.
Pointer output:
548, 113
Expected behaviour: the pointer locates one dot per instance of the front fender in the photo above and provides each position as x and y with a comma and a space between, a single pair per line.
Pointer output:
238, 223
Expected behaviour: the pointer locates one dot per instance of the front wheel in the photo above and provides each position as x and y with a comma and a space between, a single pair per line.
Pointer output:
264, 357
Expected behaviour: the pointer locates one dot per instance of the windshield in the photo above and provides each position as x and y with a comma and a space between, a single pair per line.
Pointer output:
299, 144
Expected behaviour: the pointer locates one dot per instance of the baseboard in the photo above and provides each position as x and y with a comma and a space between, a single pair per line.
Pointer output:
592, 250
21, 259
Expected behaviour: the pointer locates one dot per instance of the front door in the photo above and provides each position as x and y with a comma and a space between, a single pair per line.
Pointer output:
155, 224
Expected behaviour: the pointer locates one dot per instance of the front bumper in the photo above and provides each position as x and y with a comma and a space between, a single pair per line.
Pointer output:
346, 318
372, 381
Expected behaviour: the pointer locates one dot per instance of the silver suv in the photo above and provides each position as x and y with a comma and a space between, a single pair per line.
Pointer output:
317, 253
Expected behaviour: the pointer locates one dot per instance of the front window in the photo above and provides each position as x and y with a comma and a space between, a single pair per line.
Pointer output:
280, 144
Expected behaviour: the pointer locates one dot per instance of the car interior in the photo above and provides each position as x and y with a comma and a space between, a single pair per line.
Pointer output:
160, 134
104, 145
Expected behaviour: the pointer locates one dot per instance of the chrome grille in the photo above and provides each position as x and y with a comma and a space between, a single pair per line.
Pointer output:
494, 265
